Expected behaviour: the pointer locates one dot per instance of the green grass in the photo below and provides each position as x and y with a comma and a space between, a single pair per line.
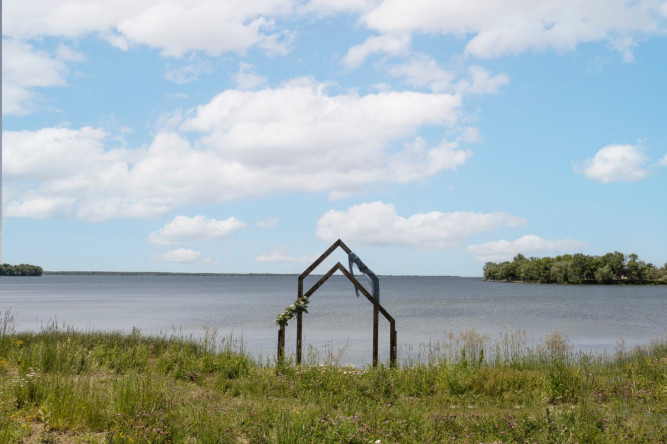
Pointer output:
60, 385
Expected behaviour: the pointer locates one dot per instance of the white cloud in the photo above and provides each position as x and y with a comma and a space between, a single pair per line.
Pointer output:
499, 27
494, 27
24, 69
189, 72
184, 230
328, 7
268, 223
377, 223
278, 43
51, 153
482, 82
39, 208
175, 27
616, 163
281, 255
246, 78
38, 18
67, 54
505, 250
416, 161
72, 170
423, 72
624, 46
300, 137
181, 255
663, 161
391, 44
297, 137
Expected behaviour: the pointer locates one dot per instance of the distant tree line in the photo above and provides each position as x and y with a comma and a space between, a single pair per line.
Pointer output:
20, 270
577, 269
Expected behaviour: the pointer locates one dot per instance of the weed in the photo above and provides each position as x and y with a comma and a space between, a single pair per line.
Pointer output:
114, 388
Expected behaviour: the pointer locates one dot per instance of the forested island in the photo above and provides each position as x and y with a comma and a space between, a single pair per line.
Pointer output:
612, 268
20, 270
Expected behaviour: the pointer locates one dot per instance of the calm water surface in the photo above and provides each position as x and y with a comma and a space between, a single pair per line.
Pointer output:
425, 308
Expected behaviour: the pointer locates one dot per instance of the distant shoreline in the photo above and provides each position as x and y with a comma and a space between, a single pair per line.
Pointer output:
156, 273
168, 273
584, 283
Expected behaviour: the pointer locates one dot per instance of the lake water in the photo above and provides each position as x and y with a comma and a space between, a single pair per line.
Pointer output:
425, 308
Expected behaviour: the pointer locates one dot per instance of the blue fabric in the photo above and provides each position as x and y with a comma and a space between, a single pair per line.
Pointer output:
354, 259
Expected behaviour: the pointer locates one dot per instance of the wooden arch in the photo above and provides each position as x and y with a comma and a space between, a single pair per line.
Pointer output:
377, 308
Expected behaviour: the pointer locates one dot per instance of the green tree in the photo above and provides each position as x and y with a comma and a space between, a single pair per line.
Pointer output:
529, 271
559, 272
507, 272
577, 268
616, 262
604, 275
636, 270
491, 271
20, 270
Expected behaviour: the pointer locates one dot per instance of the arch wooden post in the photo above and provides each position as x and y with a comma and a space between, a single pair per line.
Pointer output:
377, 309
299, 329
393, 338
281, 344
376, 315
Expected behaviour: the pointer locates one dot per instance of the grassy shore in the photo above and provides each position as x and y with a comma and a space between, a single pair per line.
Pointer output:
61, 385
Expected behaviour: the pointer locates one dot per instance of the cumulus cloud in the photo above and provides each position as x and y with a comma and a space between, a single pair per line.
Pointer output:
377, 223
38, 18
424, 72
494, 27
616, 163
281, 255
39, 208
482, 82
214, 27
297, 137
663, 161
174, 27
303, 138
67, 54
328, 7
183, 230
247, 78
25, 70
51, 153
182, 255
499, 27
392, 44
505, 250
69, 172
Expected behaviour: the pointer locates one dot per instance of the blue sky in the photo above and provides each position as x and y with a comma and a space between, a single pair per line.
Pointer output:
230, 136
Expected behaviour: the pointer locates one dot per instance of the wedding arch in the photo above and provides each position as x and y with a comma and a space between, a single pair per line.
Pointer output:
300, 306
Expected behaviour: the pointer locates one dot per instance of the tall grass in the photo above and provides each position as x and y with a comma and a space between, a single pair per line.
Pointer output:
60, 385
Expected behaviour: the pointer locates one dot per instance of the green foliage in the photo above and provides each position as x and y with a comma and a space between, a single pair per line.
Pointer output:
113, 388
20, 270
577, 269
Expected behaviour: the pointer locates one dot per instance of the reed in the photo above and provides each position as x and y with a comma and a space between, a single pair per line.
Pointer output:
60, 385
